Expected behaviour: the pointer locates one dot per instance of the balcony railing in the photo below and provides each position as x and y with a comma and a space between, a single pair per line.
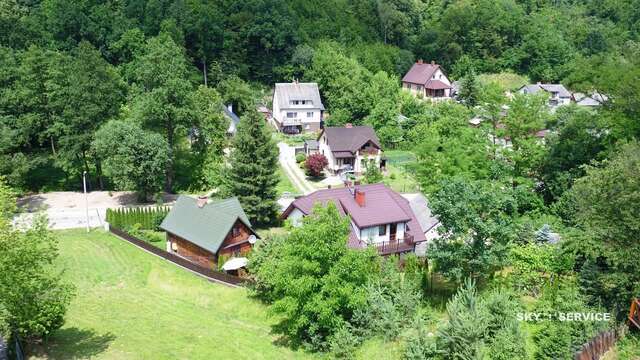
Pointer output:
291, 122
395, 246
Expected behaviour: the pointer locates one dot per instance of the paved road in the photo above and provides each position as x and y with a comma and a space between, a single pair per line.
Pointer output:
287, 159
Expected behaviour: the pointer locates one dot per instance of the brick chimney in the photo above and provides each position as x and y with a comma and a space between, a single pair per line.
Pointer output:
359, 196
420, 61
202, 201
348, 125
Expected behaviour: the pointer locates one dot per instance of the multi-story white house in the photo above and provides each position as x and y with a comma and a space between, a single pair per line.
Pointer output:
350, 148
558, 94
380, 217
297, 108
428, 81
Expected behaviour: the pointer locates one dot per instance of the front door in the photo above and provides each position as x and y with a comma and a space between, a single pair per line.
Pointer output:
392, 232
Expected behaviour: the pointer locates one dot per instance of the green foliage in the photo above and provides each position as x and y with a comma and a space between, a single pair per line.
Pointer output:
535, 265
253, 175
300, 157
469, 88
477, 220
482, 327
372, 174
148, 218
31, 288
134, 159
316, 282
606, 202
560, 339
392, 301
5, 328
162, 101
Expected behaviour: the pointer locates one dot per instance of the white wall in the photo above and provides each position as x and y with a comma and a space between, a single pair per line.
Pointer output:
371, 234
324, 149
296, 217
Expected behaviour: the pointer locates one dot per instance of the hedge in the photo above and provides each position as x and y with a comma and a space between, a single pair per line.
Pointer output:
149, 218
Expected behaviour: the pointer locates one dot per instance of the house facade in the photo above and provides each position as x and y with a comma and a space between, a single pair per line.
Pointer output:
428, 81
558, 94
380, 217
350, 148
297, 108
204, 231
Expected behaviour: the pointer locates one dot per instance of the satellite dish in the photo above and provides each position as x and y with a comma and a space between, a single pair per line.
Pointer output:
252, 239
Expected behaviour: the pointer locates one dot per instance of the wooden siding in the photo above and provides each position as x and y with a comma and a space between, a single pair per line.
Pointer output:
192, 252
237, 243
231, 244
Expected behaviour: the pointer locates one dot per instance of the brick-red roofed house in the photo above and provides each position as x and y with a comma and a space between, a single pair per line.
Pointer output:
380, 217
427, 80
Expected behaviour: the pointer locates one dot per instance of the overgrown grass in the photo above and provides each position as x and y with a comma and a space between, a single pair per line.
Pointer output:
133, 305
506, 80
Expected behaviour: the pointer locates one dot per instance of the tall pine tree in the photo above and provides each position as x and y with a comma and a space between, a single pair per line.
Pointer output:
252, 176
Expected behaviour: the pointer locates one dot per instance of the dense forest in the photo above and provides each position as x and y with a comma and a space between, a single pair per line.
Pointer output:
68, 67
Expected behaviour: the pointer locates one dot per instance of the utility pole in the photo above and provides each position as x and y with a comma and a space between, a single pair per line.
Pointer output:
86, 197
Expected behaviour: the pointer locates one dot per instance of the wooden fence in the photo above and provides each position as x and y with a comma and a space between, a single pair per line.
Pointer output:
599, 345
206, 272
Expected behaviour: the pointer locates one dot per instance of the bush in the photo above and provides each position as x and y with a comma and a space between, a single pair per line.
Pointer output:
315, 164
300, 157
343, 343
148, 218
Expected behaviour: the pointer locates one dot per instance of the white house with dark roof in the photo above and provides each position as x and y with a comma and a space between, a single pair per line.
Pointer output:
350, 148
297, 108
427, 80
558, 94
379, 216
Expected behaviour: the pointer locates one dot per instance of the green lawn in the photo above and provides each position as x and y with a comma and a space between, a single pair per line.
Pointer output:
397, 177
133, 305
285, 185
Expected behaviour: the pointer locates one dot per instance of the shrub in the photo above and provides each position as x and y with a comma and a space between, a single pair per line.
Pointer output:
149, 218
315, 164
300, 157
343, 343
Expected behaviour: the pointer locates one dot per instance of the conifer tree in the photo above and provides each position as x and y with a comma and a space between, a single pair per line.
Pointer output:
252, 176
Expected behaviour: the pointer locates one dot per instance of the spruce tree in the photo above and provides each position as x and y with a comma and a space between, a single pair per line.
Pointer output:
252, 176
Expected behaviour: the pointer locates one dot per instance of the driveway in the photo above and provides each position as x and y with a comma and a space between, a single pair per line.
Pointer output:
287, 159
67, 209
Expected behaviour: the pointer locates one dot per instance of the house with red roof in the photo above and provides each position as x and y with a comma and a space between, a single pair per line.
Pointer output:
427, 80
380, 217
350, 148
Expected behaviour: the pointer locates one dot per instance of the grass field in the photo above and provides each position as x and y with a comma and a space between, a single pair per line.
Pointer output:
133, 305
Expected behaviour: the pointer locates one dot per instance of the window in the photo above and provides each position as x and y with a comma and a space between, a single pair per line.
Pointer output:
295, 102
310, 114
292, 115
303, 102
382, 230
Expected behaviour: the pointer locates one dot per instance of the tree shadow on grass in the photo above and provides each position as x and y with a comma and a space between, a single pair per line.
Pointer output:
74, 343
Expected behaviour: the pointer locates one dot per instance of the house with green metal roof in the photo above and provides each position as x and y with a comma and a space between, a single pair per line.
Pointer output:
203, 230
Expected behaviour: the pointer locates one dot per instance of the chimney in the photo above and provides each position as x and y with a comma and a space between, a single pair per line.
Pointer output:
359, 196
202, 201
420, 61
433, 62
348, 125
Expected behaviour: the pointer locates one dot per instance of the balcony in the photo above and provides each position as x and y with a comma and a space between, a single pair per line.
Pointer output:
291, 122
395, 246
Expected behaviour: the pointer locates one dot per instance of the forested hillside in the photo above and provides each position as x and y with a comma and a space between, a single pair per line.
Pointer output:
68, 67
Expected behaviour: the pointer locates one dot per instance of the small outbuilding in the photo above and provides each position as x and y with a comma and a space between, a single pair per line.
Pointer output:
202, 230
